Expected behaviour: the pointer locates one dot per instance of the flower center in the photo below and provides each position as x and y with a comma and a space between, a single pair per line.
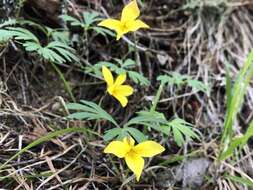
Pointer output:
110, 89
125, 27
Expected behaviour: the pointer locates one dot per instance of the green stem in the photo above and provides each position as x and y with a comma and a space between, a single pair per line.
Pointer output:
154, 104
157, 97
86, 44
66, 85
137, 59
20, 6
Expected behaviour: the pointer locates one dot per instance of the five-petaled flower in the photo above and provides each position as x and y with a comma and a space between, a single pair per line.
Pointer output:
133, 154
128, 21
116, 89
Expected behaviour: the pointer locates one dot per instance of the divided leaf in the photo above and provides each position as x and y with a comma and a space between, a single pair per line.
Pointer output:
90, 111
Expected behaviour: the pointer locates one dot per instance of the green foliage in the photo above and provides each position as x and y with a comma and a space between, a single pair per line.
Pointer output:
54, 51
120, 133
235, 96
147, 118
241, 180
179, 80
8, 22
119, 67
57, 51
5, 35
238, 142
181, 129
112, 133
137, 134
90, 111
87, 21
59, 35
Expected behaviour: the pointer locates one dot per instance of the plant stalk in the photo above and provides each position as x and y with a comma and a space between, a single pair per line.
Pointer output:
66, 85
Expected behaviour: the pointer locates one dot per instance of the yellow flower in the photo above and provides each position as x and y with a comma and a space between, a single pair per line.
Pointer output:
116, 89
133, 154
128, 21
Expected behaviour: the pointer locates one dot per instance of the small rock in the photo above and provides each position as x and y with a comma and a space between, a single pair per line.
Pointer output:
190, 174
56, 106
164, 58
194, 172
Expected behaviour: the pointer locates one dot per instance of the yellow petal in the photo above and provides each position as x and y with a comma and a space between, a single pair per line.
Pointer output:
135, 25
107, 76
148, 149
122, 99
110, 89
135, 163
129, 140
120, 34
112, 24
120, 79
124, 90
130, 12
118, 148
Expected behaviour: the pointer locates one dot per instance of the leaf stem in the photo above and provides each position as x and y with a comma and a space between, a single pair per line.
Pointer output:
137, 58
66, 85
157, 97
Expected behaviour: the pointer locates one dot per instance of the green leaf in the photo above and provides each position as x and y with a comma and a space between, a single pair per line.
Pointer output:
248, 134
129, 63
179, 80
228, 86
178, 137
90, 111
237, 142
138, 78
61, 36
58, 44
235, 97
5, 35
163, 128
90, 18
198, 85
122, 135
68, 55
137, 134
82, 107
147, 118
181, 129
103, 31
124, 68
112, 133
23, 34
31, 46
51, 55
83, 115
173, 78
8, 22
73, 21
58, 52
241, 180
